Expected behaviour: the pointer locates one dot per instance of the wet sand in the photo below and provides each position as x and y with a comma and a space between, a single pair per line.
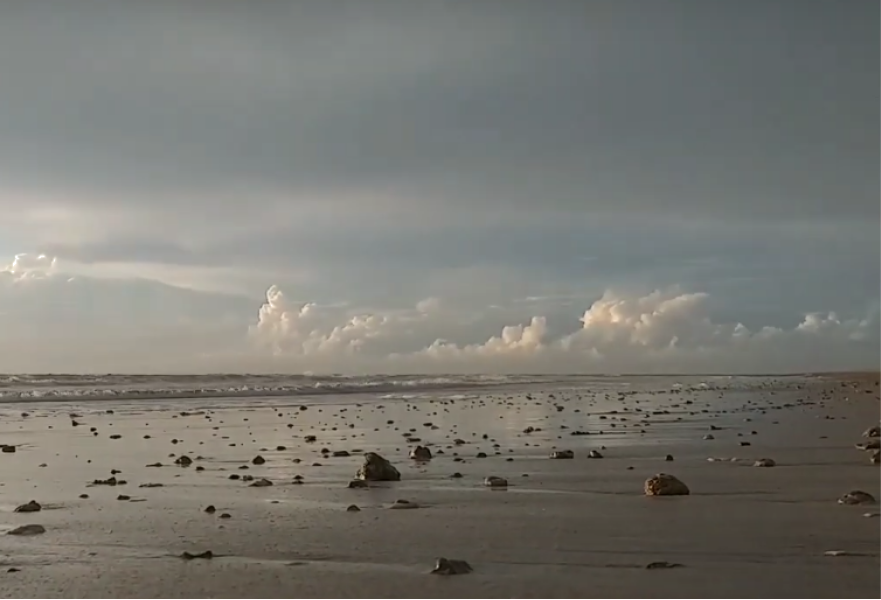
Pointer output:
563, 528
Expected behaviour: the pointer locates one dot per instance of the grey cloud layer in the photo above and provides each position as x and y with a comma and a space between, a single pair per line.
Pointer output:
699, 108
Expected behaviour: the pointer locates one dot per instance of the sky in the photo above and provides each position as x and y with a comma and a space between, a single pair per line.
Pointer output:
584, 186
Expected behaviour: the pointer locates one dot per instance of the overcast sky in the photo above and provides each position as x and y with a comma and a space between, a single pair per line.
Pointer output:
576, 185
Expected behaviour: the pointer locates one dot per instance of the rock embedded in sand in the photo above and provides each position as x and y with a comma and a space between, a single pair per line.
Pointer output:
357, 484
873, 431
210, 509
183, 461
352, 508
32, 529
261, 483
873, 444
376, 468
7, 449
451, 566
562, 454
663, 564
32, 506
258, 460
875, 459
765, 462
207, 555
664, 484
404, 504
495, 482
594, 454
857, 497
420, 453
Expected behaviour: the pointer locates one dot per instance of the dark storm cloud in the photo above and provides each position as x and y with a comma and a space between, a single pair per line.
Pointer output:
708, 108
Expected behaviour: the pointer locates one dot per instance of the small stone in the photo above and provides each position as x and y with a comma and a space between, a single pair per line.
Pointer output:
123, 498
210, 509
7, 449
352, 508
258, 460
669, 458
445, 566
262, 482
183, 461
765, 462
843, 553
873, 432
495, 482
357, 483
420, 453
404, 504
873, 444
32, 506
562, 454
663, 564
225, 516
594, 454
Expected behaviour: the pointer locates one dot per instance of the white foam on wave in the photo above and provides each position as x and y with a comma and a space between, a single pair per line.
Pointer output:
105, 387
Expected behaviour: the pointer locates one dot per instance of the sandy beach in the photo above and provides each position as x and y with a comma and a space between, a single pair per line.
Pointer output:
562, 528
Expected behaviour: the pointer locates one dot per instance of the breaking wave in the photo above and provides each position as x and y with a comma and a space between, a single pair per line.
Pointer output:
17, 388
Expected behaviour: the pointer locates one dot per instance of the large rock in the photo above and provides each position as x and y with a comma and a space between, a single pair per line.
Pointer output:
857, 497
32, 506
376, 468
664, 484
32, 529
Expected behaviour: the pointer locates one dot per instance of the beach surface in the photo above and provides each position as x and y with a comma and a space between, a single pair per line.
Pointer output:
576, 528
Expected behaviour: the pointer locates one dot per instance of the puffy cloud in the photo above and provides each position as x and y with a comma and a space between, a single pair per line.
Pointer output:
52, 321
30, 265
667, 330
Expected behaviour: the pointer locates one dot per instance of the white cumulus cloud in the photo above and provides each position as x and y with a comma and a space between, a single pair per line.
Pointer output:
665, 330
51, 321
